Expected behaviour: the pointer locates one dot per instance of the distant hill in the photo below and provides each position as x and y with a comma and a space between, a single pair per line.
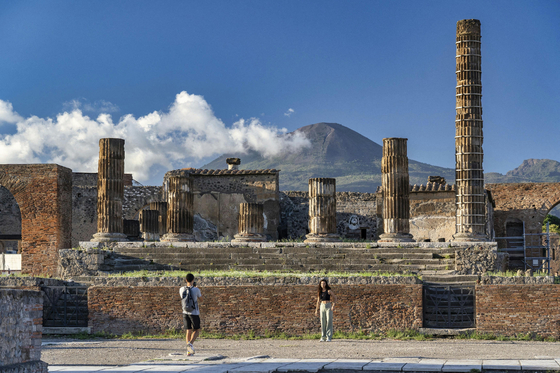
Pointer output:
530, 171
336, 151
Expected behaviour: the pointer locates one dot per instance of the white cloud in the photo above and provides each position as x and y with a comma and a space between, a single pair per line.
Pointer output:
188, 132
98, 107
289, 112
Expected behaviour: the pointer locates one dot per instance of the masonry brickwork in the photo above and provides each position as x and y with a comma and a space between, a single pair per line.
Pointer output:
44, 195
21, 327
240, 309
513, 309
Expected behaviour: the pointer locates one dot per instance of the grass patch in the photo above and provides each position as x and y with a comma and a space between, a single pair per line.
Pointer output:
257, 274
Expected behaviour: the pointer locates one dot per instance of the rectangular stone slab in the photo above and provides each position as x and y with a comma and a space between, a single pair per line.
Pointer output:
306, 365
425, 365
382, 366
539, 365
352, 364
501, 365
461, 365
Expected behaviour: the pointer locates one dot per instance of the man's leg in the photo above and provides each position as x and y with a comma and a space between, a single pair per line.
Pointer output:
194, 335
189, 335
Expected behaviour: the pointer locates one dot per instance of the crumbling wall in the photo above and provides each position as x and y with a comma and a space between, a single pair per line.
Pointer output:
432, 215
10, 221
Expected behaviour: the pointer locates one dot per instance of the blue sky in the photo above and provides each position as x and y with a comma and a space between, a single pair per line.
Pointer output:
72, 72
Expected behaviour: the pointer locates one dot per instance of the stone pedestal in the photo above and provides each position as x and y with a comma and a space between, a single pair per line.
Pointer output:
322, 211
162, 208
469, 174
179, 209
251, 223
149, 225
395, 188
110, 191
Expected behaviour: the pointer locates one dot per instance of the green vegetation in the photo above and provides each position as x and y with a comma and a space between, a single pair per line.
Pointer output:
554, 224
402, 335
251, 274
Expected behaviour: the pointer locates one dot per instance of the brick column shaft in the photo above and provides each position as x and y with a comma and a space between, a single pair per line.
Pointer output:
110, 191
395, 188
469, 174
179, 209
322, 210
251, 223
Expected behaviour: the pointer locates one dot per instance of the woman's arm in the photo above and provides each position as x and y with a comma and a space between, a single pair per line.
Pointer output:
333, 300
317, 306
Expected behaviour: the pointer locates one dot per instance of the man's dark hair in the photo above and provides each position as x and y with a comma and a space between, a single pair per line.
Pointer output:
190, 277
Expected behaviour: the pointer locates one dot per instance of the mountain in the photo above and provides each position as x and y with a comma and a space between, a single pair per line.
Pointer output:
335, 151
531, 170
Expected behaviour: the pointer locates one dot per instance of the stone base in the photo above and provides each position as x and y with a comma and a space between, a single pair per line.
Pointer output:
249, 238
150, 236
469, 237
178, 237
109, 237
327, 237
395, 237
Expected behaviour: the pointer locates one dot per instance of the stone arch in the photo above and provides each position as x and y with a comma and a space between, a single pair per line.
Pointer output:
44, 195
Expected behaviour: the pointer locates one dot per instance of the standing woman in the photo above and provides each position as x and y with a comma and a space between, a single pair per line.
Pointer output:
326, 299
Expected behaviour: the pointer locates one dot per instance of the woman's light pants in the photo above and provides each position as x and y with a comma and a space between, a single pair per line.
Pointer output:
326, 321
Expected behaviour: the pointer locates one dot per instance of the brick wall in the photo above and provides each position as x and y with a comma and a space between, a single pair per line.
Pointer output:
21, 327
44, 195
512, 309
238, 309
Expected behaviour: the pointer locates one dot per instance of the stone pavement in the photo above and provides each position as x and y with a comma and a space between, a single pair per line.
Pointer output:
179, 362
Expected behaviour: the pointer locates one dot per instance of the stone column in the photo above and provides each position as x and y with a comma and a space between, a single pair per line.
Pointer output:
149, 225
162, 208
322, 211
469, 175
251, 223
110, 191
179, 209
395, 189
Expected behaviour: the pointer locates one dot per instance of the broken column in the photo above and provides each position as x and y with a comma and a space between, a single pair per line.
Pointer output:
149, 225
469, 175
233, 163
110, 191
179, 209
162, 218
251, 223
395, 189
322, 211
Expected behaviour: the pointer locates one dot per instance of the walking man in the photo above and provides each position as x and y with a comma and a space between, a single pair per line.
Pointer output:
190, 295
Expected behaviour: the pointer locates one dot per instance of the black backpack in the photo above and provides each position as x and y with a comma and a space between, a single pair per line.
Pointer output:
188, 301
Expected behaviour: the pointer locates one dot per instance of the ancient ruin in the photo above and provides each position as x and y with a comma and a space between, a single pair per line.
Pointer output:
322, 211
179, 209
162, 218
110, 191
251, 223
149, 225
471, 225
395, 189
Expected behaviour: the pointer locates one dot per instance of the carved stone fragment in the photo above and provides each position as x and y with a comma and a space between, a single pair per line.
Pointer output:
251, 223
322, 211
149, 225
179, 209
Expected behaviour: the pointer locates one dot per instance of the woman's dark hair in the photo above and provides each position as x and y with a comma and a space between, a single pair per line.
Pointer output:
320, 289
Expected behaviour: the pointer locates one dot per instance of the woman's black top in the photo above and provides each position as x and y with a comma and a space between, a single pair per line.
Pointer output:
325, 295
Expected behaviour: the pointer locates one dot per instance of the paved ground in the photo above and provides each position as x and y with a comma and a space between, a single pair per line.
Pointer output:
110, 353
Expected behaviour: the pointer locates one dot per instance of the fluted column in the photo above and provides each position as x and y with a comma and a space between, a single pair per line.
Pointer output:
322, 211
149, 225
469, 174
395, 189
110, 191
179, 209
162, 208
251, 223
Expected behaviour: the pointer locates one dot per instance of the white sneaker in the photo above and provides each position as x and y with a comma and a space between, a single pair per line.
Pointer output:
190, 348
322, 340
328, 339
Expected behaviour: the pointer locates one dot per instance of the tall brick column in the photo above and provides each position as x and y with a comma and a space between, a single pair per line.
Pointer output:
251, 223
469, 175
322, 211
395, 189
110, 191
162, 208
149, 225
179, 209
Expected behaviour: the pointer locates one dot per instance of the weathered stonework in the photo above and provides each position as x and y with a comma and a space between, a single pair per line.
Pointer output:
251, 223
469, 174
162, 218
476, 260
179, 209
44, 195
395, 190
149, 224
322, 211
110, 191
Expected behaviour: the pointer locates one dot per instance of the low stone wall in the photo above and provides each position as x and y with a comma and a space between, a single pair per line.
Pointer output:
476, 259
240, 309
513, 309
30, 367
21, 313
